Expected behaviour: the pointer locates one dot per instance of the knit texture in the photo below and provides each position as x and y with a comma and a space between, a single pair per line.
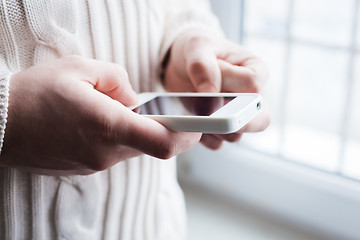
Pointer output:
4, 100
136, 199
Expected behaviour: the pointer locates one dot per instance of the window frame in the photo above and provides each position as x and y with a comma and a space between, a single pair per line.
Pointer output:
321, 201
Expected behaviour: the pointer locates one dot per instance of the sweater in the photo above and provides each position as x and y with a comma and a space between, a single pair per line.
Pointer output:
136, 199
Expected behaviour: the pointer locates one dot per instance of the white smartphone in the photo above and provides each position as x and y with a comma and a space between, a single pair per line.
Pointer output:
218, 113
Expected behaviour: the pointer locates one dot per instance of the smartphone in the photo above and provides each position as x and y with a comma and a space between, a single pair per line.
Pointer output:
217, 113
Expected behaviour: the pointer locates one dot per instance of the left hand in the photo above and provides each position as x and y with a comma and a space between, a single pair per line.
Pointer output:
200, 62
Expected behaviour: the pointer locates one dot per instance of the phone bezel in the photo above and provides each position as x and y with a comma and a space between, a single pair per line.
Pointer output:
229, 118
230, 108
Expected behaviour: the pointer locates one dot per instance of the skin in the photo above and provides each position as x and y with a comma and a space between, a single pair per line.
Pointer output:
60, 130
70, 116
202, 62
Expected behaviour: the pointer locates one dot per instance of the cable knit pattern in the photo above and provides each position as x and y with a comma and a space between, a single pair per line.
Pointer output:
4, 99
136, 199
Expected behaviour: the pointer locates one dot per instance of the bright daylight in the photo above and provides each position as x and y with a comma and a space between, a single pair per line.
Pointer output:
299, 179
180, 119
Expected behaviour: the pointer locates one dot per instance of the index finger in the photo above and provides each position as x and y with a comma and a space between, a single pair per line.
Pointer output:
242, 71
238, 79
240, 56
202, 66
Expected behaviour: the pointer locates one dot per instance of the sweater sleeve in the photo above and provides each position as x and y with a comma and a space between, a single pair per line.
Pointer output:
4, 100
184, 15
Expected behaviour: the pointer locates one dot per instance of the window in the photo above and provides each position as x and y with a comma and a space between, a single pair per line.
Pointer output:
305, 168
312, 51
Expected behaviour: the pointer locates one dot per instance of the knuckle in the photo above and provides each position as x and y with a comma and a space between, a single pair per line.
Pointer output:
252, 83
197, 39
98, 163
211, 142
72, 62
97, 166
234, 137
119, 71
200, 39
215, 145
197, 67
167, 150
73, 59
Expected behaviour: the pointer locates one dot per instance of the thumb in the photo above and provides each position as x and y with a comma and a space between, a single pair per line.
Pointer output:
202, 67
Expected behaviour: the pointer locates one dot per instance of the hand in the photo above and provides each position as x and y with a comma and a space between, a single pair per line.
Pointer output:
69, 117
204, 63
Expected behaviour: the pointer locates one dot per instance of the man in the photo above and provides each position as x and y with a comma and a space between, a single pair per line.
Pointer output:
75, 162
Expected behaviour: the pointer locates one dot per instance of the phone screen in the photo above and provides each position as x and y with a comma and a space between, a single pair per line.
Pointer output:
191, 106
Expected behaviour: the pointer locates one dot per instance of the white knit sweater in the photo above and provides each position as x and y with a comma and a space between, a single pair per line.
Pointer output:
136, 199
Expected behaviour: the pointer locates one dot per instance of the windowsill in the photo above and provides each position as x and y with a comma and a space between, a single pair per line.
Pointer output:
320, 201
308, 147
211, 217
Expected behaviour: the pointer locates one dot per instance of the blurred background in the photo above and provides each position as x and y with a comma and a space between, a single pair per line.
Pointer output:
300, 179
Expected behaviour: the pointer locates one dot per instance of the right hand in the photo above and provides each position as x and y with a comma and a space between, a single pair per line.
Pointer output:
202, 62
70, 117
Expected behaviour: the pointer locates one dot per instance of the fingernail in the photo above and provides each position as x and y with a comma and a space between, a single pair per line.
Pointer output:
206, 87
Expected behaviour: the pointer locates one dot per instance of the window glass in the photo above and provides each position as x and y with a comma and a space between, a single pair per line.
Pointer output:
358, 28
353, 129
317, 87
315, 105
325, 21
351, 166
266, 17
307, 47
313, 148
